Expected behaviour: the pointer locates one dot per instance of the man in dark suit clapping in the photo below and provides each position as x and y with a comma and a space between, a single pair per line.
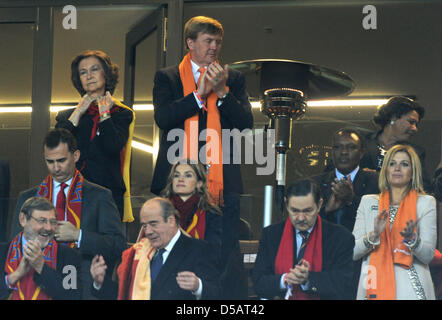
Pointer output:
164, 264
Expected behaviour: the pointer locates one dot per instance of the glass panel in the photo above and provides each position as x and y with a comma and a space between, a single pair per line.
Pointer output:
101, 28
16, 90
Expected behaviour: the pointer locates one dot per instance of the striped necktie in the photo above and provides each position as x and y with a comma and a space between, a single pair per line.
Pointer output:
304, 235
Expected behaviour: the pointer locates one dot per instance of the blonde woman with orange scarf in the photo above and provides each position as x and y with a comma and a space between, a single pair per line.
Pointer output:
395, 232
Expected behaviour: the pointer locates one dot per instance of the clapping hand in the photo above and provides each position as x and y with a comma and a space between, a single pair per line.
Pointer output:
380, 222
98, 269
217, 77
408, 232
32, 253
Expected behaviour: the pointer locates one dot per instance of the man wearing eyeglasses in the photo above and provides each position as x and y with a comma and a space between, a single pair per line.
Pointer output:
304, 257
88, 218
34, 266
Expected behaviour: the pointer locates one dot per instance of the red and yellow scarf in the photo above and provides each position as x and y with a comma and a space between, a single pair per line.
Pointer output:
391, 251
26, 287
125, 153
74, 199
313, 254
214, 154
197, 227
134, 271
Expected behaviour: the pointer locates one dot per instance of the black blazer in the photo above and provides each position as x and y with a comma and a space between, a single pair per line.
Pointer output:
188, 254
172, 109
364, 183
100, 224
50, 280
333, 282
102, 154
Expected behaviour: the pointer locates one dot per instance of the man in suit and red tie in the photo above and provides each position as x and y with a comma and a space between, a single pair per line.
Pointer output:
304, 257
88, 219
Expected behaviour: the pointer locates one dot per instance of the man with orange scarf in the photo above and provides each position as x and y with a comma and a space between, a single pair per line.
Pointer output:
33, 265
200, 94
304, 257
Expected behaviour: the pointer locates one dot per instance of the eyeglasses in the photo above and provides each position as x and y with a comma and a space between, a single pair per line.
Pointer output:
43, 221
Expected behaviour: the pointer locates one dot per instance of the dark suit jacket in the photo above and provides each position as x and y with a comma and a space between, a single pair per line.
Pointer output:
100, 224
4, 197
50, 280
188, 254
172, 109
102, 154
363, 183
333, 282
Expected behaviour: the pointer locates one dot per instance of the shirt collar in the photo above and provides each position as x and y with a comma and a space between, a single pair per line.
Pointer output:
172, 242
57, 184
352, 174
195, 68
309, 230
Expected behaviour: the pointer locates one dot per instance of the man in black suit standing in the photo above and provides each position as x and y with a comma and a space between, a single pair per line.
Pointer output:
193, 103
164, 264
88, 218
344, 187
304, 257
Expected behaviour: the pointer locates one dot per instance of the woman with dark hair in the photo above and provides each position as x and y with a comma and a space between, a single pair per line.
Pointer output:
102, 126
187, 189
397, 121
395, 232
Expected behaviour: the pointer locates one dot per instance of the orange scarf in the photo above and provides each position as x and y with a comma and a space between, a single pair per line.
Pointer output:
214, 154
391, 251
26, 287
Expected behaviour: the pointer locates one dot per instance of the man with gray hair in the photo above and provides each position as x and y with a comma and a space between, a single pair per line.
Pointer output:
33, 265
164, 264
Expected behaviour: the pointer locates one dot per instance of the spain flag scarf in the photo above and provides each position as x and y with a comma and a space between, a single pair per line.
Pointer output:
74, 199
26, 289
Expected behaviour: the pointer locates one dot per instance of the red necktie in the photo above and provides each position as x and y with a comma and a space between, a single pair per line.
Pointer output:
61, 202
201, 70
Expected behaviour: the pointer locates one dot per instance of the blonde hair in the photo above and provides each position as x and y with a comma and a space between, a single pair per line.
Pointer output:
206, 200
416, 167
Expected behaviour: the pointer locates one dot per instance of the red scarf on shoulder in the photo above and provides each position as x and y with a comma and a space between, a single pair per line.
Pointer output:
313, 254
26, 287
74, 199
197, 227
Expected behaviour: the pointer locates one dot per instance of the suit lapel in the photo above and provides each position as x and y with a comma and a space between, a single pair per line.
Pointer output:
170, 268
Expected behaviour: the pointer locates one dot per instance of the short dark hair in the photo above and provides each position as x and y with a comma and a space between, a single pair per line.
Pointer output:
111, 70
60, 135
201, 24
349, 132
168, 209
36, 203
304, 187
396, 107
